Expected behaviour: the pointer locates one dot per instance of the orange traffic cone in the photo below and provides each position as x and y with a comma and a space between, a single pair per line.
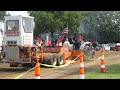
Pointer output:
37, 70
81, 66
102, 61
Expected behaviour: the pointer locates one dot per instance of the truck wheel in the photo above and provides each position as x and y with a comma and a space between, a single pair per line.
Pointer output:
46, 57
60, 59
13, 65
52, 60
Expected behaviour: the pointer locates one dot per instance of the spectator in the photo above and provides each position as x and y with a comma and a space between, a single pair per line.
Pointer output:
53, 42
60, 44
49, 43
94, 44
87, 47
66, 44
38, 42
44, 42
89, 50
77, 45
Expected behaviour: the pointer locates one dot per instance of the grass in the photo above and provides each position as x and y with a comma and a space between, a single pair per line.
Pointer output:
112, 72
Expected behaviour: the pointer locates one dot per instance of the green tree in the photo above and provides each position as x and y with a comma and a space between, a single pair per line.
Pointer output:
2, 14
43, 20
55, 20
102, 25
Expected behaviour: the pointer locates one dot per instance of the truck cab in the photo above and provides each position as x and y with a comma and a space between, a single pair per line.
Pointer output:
19, 30
17, 36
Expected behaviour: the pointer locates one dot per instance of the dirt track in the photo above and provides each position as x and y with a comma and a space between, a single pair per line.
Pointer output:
68, 72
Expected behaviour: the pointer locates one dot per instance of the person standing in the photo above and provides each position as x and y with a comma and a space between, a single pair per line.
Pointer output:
60, 44
77, 45
94, 44
66, 44
38, 42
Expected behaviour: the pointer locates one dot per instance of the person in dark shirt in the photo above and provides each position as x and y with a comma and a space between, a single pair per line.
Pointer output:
77, 45
94, 44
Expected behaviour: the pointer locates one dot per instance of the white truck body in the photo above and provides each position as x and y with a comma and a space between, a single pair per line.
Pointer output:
106, 47
18, 35
22, 36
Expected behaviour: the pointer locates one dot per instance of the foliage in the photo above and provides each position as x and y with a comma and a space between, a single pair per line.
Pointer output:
2, 14
102, 25
55, 20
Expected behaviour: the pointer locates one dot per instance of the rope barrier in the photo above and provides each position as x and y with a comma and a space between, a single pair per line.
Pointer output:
17, 77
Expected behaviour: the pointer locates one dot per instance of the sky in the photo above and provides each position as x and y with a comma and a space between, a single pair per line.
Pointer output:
24, 13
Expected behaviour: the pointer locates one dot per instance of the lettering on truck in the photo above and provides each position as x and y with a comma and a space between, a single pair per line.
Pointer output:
49, 49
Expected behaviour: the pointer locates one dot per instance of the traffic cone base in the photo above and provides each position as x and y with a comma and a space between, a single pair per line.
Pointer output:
102, 65
103, 70
37, 77
82, 76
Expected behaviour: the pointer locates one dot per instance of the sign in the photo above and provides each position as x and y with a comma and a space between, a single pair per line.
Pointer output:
12, 33
51, 50
27, 39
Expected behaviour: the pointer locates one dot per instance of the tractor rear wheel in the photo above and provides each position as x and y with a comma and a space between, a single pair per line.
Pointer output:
52, 60
45, 59
60, 59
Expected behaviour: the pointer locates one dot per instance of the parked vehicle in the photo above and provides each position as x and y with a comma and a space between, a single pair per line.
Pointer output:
98, 47
106, 47
117, 47
112, 45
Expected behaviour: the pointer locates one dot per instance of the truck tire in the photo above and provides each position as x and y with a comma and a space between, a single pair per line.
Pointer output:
52, 60
45, 59
60, 59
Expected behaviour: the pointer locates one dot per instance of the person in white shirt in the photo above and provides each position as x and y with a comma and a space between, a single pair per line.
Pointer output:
66, 44
60, 44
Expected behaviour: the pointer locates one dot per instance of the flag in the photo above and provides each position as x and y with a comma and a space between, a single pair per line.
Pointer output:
65, 31
60, 38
